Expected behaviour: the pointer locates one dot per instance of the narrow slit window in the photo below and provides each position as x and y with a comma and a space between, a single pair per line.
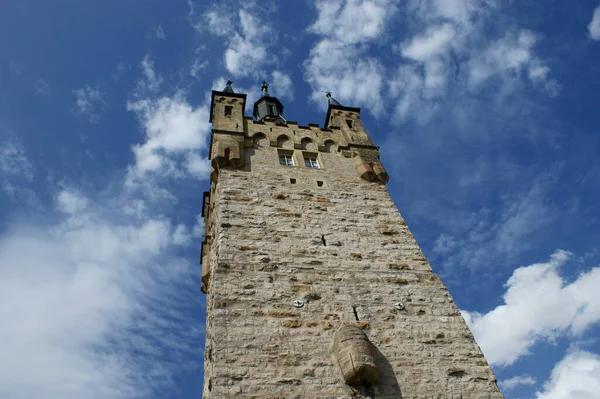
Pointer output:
311, 162
228, 110
286, 160
355, 313
349, 123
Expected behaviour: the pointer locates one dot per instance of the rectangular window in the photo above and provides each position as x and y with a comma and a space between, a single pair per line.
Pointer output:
286, 160
228, 110
349, 123
311, 162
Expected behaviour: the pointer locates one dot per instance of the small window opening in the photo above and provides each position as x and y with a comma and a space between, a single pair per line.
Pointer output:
228, 110
355, 313
320, 183
271, 108
323, 240
311, 162
349, 123
286, 160
293, 181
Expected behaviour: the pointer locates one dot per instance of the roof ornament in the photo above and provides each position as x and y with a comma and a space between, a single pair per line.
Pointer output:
331, 100
265, 88
228, 88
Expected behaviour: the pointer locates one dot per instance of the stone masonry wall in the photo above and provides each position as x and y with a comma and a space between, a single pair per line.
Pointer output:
342, 248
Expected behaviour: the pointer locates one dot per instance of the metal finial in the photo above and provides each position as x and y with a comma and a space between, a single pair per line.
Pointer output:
331, 100
265, 88
228, 88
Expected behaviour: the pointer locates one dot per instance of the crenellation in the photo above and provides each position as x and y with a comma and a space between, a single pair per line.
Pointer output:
292, 254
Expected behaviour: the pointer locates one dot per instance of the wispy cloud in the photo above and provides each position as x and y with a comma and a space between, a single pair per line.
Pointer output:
89, 102
512, 383
248, 37
160, 33
594, 25
283, 85
95, 309
42, 87
15, 168
539, 305
175, 133
338, 62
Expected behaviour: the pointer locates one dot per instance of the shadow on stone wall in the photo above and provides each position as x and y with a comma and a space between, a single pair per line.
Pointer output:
387, 387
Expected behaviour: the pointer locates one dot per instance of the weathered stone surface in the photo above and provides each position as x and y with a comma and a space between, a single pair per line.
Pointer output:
336, 242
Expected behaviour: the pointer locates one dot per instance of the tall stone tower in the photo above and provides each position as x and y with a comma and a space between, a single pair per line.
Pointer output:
315, 286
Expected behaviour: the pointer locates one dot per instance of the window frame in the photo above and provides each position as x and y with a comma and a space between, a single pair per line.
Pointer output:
228, 110
309, 156
311, 162
288, 156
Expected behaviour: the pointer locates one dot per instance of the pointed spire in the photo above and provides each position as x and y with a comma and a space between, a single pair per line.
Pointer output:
265, 89
228, 88
331, 100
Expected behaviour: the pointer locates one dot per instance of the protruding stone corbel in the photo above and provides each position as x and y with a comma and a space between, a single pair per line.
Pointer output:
353, 354
236, 155
364, 169
228, 154
379, 170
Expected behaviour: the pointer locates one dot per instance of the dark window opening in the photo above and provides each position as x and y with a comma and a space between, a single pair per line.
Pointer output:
355, 313
323, 240
228, 110
320, 183
293, 181
349, 123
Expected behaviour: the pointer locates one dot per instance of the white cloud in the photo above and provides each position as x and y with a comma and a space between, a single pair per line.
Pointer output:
352, 21
42, 87
198, 230
15, 169
13, 161
338, 62
197, 166
512, 53
247, 49
354, 80
538, 305
577, 376
94, 307
175, 132
173, 128
71, 202
152, 81
248, 38
432, 43
160, 33
512, 383
451, 56
88, 100
283, 85
594, 26
181, 236
197, 67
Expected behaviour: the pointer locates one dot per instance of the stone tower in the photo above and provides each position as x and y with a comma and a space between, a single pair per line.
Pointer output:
315, 286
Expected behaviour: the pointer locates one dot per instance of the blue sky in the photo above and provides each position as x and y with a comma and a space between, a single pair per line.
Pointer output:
486, 112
